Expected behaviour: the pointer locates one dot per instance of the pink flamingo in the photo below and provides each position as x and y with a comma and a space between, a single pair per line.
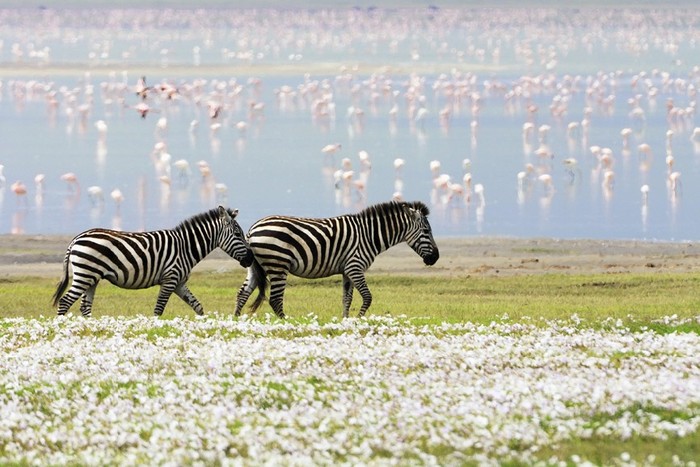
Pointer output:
19, 189
72, 180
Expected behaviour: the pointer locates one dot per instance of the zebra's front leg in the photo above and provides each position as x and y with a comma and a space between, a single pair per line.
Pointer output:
188, 297
166, 290
278, 281
347, 295
86, 301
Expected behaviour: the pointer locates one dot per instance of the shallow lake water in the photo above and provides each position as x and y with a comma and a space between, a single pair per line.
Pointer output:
249, 99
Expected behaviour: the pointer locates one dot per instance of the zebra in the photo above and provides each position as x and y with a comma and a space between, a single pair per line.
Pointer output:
138, 260
347, 245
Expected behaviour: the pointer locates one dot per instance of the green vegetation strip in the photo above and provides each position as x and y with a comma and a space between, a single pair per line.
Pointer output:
635, 299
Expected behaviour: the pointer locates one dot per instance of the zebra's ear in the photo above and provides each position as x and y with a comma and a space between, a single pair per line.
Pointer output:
233, 213
419, 208
223, 213
412, 211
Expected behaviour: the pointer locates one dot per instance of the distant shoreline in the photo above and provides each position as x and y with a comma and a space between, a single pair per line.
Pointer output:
42, 256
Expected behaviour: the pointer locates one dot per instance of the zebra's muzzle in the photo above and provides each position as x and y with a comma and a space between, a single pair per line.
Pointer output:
247, 260
431, 258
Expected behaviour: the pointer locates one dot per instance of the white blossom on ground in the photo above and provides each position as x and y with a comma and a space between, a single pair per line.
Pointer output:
218, 390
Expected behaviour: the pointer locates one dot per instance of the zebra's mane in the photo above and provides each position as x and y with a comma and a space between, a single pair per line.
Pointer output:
388, 207
202, 217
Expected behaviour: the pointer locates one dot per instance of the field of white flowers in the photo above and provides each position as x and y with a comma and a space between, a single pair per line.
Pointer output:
373, 391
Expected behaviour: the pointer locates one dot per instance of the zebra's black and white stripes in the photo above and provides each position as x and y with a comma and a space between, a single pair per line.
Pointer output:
347, 245
137, 260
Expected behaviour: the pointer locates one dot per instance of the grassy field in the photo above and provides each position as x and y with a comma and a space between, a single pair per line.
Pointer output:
480, 299
600, 368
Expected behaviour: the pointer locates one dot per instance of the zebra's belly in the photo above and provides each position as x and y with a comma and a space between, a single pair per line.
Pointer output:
314, 272
131, 282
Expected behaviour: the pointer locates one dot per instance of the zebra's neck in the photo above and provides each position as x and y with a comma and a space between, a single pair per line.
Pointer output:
384, 232
197, 240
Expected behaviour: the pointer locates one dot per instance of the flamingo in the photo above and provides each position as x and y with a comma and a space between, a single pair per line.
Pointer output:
19, 189
242, 127
141, 89
695, 136
670, 160
144, 109
645, 194
330, 149
546, 180
183, 169
467, 165
72, 180
101, 127
96, 195
162, 125
421, 115
39, 182
118, 197
204, 170
644, 150
467, 180
674, 180
214, 109
364, 159
625, 133
435, 167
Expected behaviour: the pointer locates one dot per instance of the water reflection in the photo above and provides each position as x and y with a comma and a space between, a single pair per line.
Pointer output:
536, 133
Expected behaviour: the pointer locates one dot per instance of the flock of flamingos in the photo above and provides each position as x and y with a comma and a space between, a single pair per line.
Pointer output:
422, 80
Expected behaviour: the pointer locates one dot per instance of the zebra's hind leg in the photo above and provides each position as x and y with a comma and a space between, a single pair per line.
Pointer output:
278, 281
358, 280
347, 295
245, 291
77, 289
188, 297
86, 301
166, 290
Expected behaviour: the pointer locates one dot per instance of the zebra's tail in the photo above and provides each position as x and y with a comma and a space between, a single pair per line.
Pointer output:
63, 284
259, 278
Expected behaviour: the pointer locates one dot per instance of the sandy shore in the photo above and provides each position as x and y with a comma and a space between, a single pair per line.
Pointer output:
42, 256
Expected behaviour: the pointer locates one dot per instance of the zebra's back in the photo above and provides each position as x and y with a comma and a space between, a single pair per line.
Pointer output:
305, 247
132, 260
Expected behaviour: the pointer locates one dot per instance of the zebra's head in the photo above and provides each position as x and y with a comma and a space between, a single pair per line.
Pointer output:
232, 239
419, 235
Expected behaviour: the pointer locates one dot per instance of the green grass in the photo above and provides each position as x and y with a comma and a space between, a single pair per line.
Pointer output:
636, 299
602, 450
